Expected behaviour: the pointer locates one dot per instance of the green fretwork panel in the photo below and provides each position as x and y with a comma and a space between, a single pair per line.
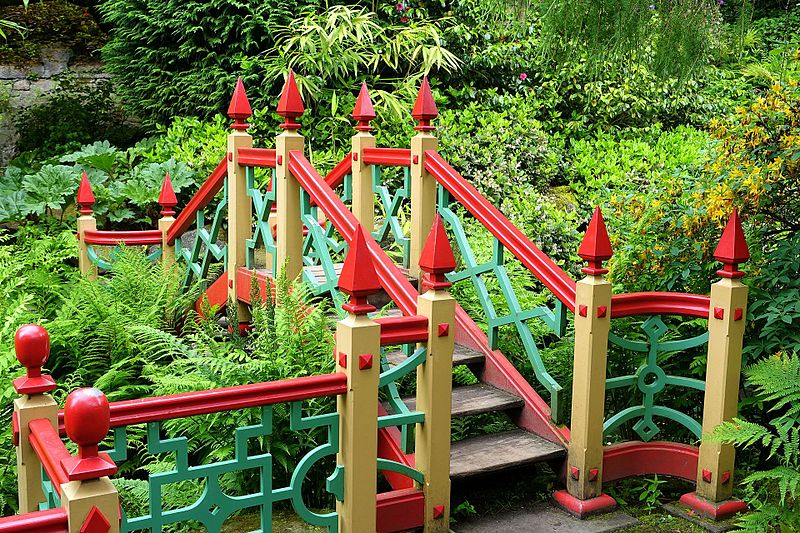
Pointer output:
205, 250
650, 379
213, 507
393, 220
471, 270
262, 233
107, 264
390, 375
51, 497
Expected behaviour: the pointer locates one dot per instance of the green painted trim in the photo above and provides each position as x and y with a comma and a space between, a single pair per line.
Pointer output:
399, 468
396, 373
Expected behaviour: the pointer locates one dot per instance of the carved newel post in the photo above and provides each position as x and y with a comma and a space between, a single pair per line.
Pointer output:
90, 499
86, 222
358, 345
726, 323
167, 200
32, 344
584, 494
435, 378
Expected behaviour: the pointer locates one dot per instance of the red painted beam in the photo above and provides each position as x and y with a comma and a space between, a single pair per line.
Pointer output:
336, 176
50, 521
395, 157
256, 157
216, 294
204, 195
660, 303
400, 510
644, 458
48, 446
130, 238
403, 329
549, 273
389, 448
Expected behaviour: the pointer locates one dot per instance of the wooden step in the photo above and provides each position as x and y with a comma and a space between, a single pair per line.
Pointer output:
475, 399
498, 452
461, 356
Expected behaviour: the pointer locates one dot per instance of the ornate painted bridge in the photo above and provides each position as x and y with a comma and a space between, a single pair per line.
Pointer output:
268, 210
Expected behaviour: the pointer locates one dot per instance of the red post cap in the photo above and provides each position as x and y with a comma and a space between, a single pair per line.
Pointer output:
596, 246
425, 107
87, 419
167, 199
358, 278
436, 258
239, 109
363, 111
32, 345
290, 106
85, 198
732, 248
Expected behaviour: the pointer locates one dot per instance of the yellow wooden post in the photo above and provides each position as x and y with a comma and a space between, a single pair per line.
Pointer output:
89, 498
423, 184
358, 355
726, 323
435, 378
584, 494
363, 197
86, 222
240, 208
32, 344
289, 241
167, 200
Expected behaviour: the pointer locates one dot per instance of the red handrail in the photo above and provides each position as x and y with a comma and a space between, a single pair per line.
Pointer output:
403, 329
204, 195
130, 238
336, 176
49, 521
396, 157
549, 273
660, 303
48, 446
158, 408
257, 157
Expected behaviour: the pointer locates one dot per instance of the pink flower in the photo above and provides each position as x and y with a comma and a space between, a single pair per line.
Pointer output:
399, 7
523, 76
404, 19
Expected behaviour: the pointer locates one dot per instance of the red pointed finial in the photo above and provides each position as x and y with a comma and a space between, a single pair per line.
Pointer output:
425, 107
358, 277
596, 246
87, 418
436, 258
732, 248
167, 199
363, 111
290, 106
239, 109
32, 345
95, 522
85, 198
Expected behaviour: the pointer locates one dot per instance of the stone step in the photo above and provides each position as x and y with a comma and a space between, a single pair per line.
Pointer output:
461, 356
476, 399
489, 454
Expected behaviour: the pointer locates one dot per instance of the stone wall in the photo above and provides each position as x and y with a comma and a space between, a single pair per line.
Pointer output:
21, 87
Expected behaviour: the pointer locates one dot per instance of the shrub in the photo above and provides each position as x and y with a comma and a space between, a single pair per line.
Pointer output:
176, 58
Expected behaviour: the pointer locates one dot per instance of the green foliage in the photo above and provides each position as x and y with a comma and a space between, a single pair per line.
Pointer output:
75, 113
651, 492
175, 58
773, 493
50, 23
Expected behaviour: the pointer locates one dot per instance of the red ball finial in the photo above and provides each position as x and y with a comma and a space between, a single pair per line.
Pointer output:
425, 107
732, 248
290, 106
85, 198
239, 109
87, 418
436, 258
363, 111
358, 278
32, 345
596, 246
167, 199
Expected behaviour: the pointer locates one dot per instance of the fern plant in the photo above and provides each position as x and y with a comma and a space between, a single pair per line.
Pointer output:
773, 494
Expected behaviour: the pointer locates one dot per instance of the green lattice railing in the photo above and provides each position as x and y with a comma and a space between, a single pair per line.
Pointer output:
262, 232
391, 227
206, 248
106, 263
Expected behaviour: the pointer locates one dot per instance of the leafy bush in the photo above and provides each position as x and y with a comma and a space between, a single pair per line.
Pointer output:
49, 23
175, 58
76, 113
774, 493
